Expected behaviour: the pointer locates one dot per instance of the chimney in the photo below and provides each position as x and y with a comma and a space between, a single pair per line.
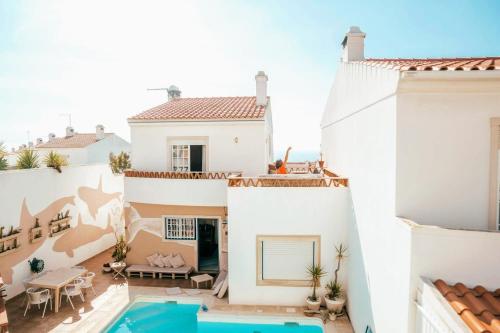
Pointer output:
13, 150
99, 132
261, 88
30, 144
69, 131
23, 146
52, 136
353, 45
39, 141
173, 92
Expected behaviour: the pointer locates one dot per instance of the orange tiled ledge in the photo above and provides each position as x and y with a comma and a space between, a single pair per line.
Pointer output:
478, 307
181, 175
287, 182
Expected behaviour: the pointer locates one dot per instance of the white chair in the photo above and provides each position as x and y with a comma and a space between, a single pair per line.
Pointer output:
37, 297
71, 290
87, 281
26, 284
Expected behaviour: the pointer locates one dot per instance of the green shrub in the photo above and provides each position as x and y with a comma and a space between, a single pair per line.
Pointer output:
55, 160
28, 159
119, 163
3, 159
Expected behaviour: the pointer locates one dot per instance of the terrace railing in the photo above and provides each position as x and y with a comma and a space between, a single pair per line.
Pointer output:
288, 182
182, 175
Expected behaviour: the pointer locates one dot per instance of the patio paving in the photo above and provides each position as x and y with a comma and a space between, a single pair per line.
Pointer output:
114, 295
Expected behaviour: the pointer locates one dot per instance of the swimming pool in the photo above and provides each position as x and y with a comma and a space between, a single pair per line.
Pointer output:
171, 317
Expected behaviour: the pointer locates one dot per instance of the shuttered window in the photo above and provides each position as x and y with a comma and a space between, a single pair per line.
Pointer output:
284, 259
180, 228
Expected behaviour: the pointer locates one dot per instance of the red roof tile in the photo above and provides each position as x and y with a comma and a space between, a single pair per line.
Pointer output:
439, 64
79, 140
478, 307
205, 108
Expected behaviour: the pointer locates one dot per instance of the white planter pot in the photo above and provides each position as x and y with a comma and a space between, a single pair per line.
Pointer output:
336, 305
332, 316
313, 305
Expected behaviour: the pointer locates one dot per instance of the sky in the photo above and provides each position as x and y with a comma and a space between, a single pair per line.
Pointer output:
96, 59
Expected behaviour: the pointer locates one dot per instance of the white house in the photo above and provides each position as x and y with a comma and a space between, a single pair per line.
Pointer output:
83, 148
418, 139
183, 151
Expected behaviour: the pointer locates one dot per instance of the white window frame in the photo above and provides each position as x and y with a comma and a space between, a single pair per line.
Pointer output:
179, 161
314, 239
183, 230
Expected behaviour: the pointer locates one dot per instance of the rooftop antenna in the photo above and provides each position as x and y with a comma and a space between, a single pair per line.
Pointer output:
173, 92
164, 89
66, 115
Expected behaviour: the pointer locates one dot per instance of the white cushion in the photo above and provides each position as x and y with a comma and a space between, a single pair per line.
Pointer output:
176, 261
159, 261
217, 287
166, 261
151, 259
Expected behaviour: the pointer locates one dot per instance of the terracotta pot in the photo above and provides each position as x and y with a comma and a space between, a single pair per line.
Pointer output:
313, 305
336, 305
321, 164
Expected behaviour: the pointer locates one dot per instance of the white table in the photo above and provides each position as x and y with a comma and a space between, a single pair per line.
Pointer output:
57, 279
118, 268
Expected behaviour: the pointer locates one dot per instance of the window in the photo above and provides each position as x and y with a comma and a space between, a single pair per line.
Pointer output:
187, 158
283, 260
179, 228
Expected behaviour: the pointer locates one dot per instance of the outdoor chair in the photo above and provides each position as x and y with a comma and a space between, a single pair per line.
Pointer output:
87, 281
37, 297
26, 284
71, 290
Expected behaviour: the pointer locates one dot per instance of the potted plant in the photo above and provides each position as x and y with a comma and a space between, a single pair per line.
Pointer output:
315, 272
334, 300
120, 249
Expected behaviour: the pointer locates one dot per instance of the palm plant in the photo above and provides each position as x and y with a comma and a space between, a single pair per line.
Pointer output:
55, 160
334, 288
3, 159
120, 250
119, 163
28, 159
315, 272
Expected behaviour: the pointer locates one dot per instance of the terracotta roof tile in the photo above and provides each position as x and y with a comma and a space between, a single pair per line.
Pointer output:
79, 140
437, 64
205, 108
478, 307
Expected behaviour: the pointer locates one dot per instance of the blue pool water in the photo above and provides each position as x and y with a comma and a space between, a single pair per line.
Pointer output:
181, 318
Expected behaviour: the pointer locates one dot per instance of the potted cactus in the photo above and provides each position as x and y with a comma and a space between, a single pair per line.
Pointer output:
315, 272
333, 299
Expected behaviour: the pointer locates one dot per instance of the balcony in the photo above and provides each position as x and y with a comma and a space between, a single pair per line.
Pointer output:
177, 188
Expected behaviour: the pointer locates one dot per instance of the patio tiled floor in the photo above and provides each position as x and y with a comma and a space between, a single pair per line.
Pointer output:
114, 295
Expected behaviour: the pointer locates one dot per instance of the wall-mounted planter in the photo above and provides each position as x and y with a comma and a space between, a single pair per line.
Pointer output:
4, 253
59, 227
11, 237
11, 242
36, 235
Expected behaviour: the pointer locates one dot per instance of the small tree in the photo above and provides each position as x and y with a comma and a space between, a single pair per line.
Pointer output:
315, 272
121, 248
119, 163
55, 160
3, 159
28, 159
334, 288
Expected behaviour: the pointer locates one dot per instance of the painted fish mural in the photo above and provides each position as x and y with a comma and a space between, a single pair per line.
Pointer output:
96, 198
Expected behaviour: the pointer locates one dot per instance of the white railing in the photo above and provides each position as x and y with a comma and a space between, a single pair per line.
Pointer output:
427, 323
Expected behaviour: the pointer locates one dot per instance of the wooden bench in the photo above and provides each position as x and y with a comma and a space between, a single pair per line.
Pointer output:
160, 272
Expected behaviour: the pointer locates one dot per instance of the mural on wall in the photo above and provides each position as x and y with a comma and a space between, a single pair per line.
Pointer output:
96, 198
26, 222
80, 233
72, 239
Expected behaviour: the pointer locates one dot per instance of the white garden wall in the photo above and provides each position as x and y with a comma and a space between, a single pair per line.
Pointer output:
282, 211
92, 194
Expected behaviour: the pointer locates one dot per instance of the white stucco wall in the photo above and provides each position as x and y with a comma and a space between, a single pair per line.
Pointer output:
151, 152
74, 156
99, 151
359, 142
183, 192
443, 154
40, 188
282, 211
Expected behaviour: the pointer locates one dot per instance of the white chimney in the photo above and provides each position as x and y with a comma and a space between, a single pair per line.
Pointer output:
99, 132
353, 45
39, 141
30, 144
51, 136
261, 88
173, 92
13, 150
70, 131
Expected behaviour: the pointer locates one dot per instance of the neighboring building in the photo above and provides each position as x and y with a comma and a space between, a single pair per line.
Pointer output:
193, 145
419, 140
83, 148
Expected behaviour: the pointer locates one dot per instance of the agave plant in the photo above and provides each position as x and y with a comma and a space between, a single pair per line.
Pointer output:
28, 159
119, 163
315, 272
3, 159
55, 160
121, 248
